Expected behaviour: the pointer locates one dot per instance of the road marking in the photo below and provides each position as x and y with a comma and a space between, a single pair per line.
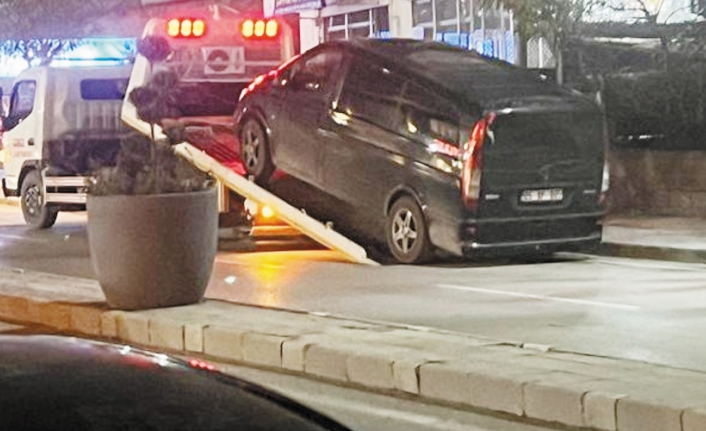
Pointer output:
541, 297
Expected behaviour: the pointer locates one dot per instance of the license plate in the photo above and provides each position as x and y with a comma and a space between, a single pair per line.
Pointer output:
542, 196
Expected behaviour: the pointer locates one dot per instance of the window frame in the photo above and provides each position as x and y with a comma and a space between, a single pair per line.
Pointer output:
296, 70
355, 58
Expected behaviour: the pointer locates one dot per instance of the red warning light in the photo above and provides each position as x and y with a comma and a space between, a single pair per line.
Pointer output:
186, 27
247, 28
259, 28
272, 28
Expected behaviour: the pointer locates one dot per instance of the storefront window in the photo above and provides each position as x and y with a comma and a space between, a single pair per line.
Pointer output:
361, 24
464, 23
422, 12
445, 10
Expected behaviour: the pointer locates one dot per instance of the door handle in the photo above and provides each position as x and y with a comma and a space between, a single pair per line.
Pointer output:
30, 142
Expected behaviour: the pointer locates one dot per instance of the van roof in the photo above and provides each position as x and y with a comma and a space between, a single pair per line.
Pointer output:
465, 72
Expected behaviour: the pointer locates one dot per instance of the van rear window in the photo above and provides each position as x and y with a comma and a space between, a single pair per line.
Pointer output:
103, 89
479, 78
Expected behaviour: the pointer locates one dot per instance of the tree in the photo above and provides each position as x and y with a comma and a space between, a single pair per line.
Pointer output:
554, 20
38, 30
37, 51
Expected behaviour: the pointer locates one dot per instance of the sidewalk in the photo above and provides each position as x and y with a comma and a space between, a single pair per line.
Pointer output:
678, 239
459, 369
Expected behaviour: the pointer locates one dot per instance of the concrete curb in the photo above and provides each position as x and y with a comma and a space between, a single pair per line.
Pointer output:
652, 252
551, 386
11, 201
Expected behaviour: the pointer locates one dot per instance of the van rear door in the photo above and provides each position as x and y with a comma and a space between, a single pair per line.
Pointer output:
543, 155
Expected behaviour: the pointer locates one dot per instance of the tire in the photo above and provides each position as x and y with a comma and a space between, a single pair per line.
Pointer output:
37, 214
406, 232
255, 151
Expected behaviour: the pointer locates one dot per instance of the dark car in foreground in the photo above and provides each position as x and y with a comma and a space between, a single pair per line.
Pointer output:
425, 147
61, 383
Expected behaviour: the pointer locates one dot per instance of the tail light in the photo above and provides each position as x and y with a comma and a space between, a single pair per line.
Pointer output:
186, 27
259, 28
201, 365
473, 161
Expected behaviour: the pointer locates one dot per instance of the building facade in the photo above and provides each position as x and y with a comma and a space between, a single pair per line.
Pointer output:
462, 23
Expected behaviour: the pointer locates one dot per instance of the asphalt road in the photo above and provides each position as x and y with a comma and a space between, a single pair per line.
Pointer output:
637, 309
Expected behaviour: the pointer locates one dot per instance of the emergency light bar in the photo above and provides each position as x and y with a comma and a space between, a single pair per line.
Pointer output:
186, 27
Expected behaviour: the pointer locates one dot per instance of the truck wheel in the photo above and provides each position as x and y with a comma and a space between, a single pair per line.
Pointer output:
37, 214
255, 151
406, 232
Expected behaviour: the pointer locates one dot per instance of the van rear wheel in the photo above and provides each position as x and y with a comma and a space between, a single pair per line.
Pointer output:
255, 151
36, 212
406, 232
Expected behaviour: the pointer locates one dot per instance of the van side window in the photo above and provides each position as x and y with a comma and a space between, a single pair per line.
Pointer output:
315, 73
21, 103
103, 89
430, 115
372, 92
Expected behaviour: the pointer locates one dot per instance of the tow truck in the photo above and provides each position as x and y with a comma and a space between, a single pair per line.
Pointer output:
217, 56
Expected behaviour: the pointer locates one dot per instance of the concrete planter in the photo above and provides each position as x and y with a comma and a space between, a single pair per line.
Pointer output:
153, 250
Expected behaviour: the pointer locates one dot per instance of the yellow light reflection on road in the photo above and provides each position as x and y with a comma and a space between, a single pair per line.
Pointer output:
272, 276
267, 276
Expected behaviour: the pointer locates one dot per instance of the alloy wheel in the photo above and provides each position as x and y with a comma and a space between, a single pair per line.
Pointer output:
252, 147
404, 230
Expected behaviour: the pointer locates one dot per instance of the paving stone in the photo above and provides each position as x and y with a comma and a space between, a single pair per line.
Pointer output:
371, 370
193, 337
294, 353
556, 397
694, 419
13, 307
444, 381
222, 342
133, 328
109, 323
406, 374
498, 387
326, 361
599, 410
167, 334
642, 415
54, 314
263, 349
86, 319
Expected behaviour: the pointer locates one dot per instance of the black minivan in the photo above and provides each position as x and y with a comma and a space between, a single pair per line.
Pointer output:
428, 147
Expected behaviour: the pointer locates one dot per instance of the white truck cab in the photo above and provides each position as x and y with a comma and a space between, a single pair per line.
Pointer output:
61, 124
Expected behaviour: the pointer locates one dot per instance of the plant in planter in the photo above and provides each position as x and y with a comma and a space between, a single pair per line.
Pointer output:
152, 218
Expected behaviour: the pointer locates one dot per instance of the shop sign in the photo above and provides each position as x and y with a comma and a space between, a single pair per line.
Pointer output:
292, 6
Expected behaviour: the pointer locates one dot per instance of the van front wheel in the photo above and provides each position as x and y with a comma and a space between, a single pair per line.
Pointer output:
406, 232
36, 212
